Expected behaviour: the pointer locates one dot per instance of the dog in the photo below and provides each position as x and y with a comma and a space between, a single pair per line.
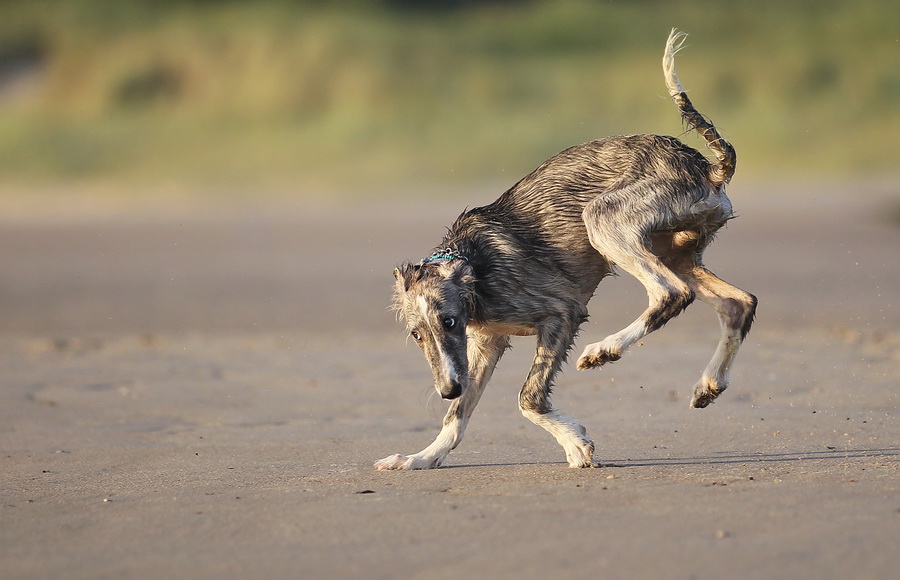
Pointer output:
528, 263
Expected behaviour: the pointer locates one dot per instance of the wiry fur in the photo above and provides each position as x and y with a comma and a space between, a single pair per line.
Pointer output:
528, 264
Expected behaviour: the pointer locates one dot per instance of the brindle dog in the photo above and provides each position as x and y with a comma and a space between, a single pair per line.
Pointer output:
528, 264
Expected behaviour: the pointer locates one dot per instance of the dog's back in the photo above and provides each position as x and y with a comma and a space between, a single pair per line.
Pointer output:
537, 225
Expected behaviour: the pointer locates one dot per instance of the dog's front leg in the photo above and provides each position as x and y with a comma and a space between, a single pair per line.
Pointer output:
534, 399
483, 352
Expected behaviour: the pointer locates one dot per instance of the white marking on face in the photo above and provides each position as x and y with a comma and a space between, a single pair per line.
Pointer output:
448, 367
423, 306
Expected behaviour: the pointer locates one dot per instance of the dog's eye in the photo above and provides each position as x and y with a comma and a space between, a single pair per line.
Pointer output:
416, 336
449, 322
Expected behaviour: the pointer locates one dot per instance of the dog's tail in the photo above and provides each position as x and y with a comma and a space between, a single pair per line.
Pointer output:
724, 152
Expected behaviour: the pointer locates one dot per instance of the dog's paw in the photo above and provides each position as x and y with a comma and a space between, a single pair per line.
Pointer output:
580, 454
397, 461
705, 392
579, 448
597, 355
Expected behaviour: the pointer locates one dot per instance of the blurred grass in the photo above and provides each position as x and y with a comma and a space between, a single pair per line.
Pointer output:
326, 96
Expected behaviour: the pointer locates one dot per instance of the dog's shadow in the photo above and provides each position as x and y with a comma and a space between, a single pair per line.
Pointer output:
724, 458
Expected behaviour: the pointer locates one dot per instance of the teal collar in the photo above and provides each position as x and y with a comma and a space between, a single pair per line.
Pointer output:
442, 256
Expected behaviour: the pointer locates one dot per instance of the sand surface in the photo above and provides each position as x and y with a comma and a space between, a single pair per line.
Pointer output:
195, 391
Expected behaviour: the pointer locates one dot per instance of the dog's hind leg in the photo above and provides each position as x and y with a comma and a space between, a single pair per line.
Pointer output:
736, 310
554, 342
483, 353
621, 232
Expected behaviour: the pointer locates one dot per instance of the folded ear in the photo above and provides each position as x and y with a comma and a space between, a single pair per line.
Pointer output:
452, 270
463, 274
405, 275
463, 277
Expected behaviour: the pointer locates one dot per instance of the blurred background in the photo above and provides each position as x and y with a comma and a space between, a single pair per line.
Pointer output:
365, 98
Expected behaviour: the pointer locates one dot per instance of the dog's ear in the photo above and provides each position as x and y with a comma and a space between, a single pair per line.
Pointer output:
462, 274
402, 282
463, 278
405, 276
458, 271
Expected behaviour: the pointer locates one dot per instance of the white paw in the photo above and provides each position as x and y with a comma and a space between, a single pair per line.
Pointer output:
580, 454
598, 354
398, 461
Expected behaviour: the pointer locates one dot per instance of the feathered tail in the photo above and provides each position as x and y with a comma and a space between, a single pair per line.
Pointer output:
724, 152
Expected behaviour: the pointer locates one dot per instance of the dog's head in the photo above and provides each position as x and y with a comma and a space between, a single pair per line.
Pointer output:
435, 299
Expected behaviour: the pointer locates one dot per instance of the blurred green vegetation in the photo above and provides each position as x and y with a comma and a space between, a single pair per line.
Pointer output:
324, 96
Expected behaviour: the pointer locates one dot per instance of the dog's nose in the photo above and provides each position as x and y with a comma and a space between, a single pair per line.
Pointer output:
453, 392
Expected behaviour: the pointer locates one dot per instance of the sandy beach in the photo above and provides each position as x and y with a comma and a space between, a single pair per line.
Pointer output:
200, 391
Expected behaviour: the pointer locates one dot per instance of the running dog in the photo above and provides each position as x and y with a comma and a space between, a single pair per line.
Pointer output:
528, 264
